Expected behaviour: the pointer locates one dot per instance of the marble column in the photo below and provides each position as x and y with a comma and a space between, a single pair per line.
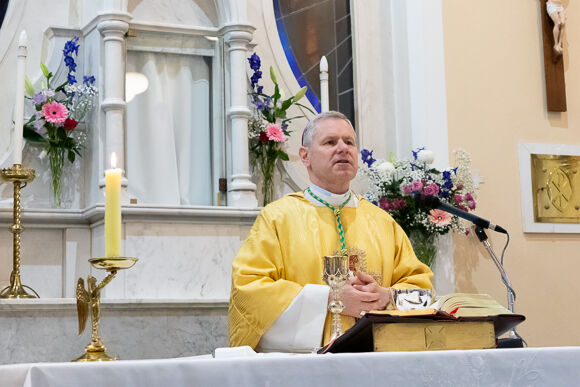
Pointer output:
113, 27
241, 190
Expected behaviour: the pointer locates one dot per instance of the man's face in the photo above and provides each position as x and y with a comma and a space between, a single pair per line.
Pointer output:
332, 158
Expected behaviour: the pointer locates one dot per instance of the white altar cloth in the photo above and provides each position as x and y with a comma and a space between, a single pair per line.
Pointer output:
557, 366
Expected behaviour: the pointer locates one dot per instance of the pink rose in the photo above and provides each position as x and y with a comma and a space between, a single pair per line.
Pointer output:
468, 196
471, 204
416, 186
407, 190
435, 188
431, 189
458, 198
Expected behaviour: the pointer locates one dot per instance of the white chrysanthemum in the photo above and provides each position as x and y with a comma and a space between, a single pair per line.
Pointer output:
385, 168
426, 156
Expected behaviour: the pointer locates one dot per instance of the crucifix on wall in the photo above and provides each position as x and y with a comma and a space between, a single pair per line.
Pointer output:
553, 22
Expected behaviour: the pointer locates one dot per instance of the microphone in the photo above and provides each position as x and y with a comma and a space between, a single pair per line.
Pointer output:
434, 202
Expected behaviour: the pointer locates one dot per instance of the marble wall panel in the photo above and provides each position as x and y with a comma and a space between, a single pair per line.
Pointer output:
179, 261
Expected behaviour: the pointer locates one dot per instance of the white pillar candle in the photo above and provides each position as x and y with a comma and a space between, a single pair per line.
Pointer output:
113, 209
19, 103
324, 85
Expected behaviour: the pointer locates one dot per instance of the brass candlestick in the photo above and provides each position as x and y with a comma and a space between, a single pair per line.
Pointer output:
91, 299
20, 177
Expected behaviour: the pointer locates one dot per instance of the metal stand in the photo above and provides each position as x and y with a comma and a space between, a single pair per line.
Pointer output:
20, 177
511, 294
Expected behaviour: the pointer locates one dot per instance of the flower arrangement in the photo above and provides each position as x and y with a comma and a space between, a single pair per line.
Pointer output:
58, 111
268, 128
396, 186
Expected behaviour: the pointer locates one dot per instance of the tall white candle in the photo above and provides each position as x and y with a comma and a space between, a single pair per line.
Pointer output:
113, 178
19, 103
324, 85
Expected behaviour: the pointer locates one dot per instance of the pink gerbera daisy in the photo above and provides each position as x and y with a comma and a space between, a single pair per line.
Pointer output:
54, 112
275, 133
440, 218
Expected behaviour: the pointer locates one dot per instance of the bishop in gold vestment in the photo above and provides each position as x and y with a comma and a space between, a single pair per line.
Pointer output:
283, 252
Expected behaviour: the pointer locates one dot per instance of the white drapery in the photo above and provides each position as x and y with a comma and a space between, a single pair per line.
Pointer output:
169, 130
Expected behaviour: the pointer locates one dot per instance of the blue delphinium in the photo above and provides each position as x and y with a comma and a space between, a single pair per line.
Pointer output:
255, 64
88, 81
367, 157
71, 47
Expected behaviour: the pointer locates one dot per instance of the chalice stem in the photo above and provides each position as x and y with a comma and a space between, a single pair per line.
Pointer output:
336, 325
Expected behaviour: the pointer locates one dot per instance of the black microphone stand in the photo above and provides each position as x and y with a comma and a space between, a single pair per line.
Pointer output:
514, 340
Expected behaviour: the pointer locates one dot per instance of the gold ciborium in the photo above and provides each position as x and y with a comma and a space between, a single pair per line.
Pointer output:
335, 275
19, 176
90, 299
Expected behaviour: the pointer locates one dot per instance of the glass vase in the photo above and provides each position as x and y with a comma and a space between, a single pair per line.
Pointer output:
64, 177
424, 245
268, 182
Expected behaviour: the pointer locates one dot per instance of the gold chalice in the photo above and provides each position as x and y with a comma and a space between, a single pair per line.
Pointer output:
335, 275
91, 299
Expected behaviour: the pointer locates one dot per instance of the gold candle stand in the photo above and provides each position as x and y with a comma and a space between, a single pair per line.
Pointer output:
91, 299
20, 177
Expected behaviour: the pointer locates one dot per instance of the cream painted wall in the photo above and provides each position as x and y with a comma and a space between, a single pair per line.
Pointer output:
496, 99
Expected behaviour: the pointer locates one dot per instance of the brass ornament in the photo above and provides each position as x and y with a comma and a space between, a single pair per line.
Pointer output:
555, 186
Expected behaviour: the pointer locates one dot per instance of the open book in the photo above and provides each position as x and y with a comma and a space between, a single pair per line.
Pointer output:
465, 304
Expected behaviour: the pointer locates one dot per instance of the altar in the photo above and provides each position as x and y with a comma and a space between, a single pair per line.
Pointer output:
555, 366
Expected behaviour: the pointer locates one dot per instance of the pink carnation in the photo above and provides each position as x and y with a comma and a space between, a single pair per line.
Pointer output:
440, 218
54, 112
384, 204
468, 196
458, 198
471, 204
275, 133
398, 203
407, 189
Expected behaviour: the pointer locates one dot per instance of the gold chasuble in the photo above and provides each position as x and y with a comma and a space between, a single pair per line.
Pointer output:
284, 250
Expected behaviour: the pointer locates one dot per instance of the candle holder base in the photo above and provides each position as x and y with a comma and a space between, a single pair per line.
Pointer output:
95, 354
14, 291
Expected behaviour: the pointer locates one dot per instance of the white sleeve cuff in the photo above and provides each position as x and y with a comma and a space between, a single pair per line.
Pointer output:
299, 328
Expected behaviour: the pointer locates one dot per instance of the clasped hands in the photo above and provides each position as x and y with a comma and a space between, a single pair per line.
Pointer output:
362, 293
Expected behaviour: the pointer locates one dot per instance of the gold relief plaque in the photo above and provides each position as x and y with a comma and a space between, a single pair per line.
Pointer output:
555, 186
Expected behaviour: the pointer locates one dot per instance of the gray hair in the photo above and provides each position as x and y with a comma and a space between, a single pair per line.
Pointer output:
310, 128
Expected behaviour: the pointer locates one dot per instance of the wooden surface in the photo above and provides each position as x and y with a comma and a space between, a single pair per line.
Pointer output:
553, 66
